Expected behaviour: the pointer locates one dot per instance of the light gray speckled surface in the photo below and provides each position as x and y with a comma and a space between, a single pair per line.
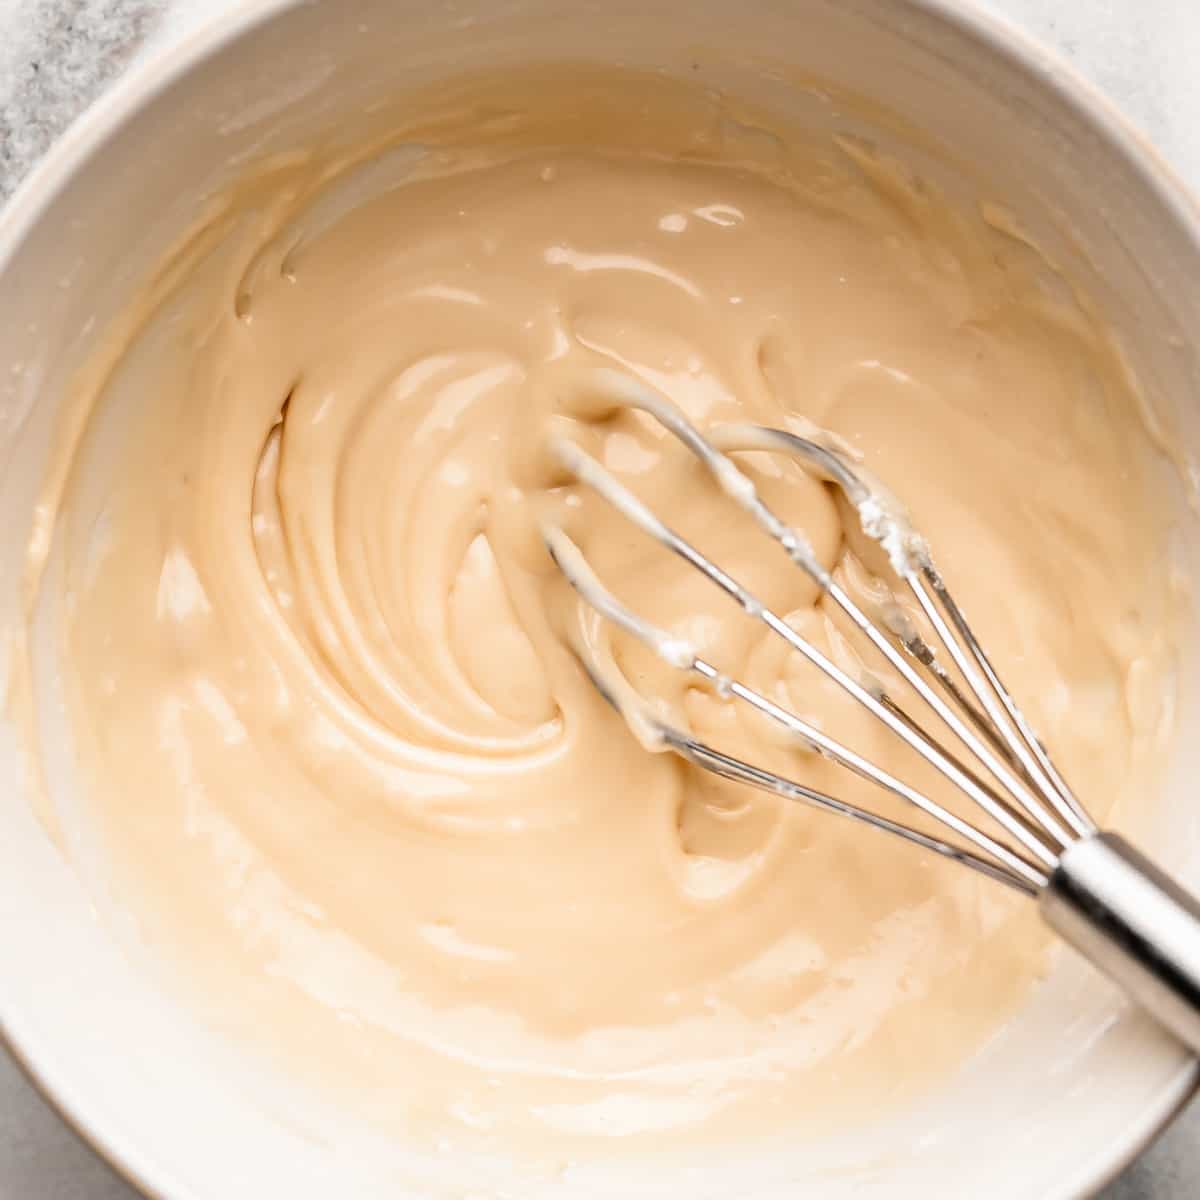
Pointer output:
57, 55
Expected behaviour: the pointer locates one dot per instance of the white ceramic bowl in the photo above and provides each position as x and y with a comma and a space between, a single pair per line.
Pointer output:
1078, 1085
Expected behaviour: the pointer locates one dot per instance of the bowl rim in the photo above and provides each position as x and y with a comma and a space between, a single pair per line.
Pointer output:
144, 80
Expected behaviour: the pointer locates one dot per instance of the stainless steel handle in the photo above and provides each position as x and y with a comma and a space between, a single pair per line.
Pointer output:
1133, 922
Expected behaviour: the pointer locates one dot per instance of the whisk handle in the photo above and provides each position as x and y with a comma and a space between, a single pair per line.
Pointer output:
1135, 923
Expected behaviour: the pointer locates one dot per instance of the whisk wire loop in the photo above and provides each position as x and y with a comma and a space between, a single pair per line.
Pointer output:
1020, 790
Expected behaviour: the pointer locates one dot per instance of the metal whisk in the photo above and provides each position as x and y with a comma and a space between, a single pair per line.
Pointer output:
1100, 894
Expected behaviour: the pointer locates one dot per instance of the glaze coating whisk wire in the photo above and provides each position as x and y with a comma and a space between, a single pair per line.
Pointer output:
1093, 888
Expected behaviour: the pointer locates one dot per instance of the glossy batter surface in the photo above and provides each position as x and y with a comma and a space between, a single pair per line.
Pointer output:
352, 781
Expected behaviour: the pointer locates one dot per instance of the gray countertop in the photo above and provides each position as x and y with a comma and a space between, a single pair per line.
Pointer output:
58, 55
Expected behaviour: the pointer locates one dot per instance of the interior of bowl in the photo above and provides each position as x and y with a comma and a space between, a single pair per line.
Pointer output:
1051, 1105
